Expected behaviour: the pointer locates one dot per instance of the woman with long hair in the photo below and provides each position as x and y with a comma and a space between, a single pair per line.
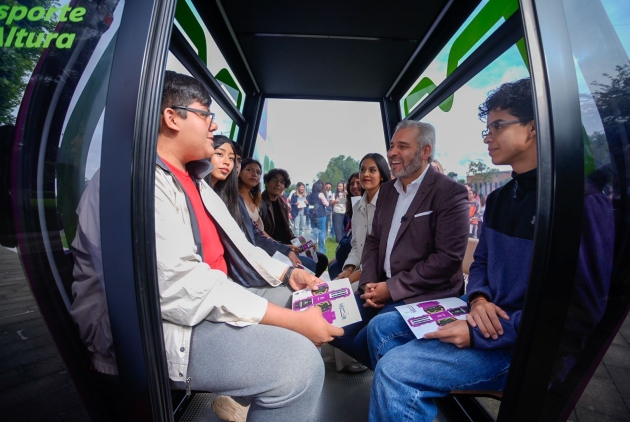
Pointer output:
373, 172
353, 189
299, 207
223, 180
318, 201
249, 189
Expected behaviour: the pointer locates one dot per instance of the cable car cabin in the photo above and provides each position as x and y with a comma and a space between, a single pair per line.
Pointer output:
88, 99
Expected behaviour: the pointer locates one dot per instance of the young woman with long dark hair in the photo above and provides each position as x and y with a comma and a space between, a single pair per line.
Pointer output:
373, 172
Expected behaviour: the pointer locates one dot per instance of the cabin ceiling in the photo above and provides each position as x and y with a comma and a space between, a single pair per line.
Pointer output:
333, 49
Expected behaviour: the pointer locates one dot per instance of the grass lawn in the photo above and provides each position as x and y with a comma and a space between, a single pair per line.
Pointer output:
331, 248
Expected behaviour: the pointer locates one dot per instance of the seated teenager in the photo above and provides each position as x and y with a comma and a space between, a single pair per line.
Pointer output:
373, 172
275, 213
224, 181
249, 189
353, 189
210, 322
475, 354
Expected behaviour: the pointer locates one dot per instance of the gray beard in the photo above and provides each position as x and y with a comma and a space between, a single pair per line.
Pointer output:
411, 168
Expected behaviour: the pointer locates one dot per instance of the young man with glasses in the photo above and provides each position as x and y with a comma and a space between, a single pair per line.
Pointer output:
219, 336
475, 354
275, 212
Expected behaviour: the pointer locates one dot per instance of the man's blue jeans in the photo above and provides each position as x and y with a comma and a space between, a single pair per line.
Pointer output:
410, 373
354, 341
318, 225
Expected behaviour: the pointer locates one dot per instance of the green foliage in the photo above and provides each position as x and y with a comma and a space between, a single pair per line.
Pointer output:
331, 248
461, 181
613, 101
17, 64
481, 170
452, 174
339, 169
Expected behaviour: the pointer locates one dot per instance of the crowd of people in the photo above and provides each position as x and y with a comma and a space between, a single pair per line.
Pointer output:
402, 227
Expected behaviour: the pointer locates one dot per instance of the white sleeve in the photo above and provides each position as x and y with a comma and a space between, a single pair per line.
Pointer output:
354, 257
190, 290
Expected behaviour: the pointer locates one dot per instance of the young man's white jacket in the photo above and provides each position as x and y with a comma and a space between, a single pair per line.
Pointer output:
191, 291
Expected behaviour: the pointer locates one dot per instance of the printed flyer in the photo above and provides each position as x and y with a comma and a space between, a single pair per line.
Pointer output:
306, 246
336, 300
426, 317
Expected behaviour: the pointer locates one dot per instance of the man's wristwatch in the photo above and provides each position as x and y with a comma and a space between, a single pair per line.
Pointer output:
287, 276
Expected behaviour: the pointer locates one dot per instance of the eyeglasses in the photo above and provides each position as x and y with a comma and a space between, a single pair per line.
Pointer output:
494, 127
278, 181
201, 113
253, 170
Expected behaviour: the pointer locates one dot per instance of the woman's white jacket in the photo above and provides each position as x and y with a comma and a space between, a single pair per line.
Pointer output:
362, 216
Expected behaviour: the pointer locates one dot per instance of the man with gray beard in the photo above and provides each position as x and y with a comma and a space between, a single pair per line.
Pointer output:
419, 236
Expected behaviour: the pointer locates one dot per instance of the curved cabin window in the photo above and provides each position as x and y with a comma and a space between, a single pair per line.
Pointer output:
599, 33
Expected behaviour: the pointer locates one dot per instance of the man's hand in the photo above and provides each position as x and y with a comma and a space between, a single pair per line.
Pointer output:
455, 333
485, 315
294, 259
312, 325
301, 279
375, 295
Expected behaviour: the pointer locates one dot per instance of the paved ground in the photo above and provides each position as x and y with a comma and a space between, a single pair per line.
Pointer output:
35, 386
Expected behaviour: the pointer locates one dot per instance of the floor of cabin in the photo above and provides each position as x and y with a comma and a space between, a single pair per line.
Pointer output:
35, 385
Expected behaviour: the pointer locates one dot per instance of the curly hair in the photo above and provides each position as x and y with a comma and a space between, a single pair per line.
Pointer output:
274, 172
515, 97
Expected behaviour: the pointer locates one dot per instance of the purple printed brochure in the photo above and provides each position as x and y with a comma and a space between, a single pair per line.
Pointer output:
336, 300
306, 246
426, 317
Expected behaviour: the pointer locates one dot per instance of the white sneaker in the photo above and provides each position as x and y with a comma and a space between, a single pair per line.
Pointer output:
226, 408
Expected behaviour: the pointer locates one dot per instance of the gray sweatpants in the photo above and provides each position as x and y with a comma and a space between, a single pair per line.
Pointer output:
281, 372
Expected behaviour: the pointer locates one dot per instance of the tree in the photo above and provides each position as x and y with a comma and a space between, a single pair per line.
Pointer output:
483, 172
339, 169
452, 174
17, 64
613, 104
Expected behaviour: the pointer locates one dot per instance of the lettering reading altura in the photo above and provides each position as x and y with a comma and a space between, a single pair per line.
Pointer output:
12, 36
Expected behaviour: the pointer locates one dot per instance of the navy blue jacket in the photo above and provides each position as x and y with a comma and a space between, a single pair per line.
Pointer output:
501, 267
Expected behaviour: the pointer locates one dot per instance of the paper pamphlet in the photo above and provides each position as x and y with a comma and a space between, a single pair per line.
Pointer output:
426, 317
285, 260
306, 246
336, 300
301, 202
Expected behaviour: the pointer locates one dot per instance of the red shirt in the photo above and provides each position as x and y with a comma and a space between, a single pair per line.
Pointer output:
210, 241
